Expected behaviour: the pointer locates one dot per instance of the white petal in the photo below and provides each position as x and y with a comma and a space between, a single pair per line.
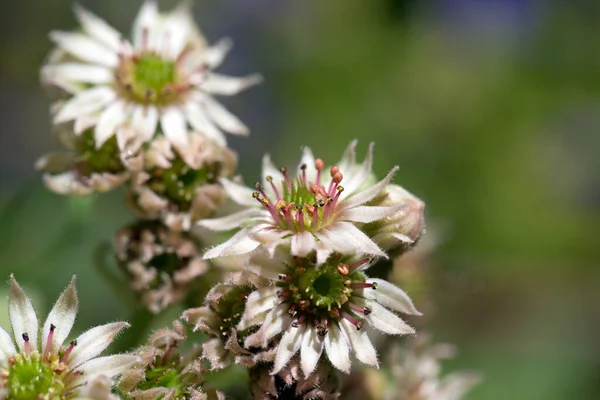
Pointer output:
228, 85
93, 342
238, 193
348, 160
238, 244
307, 159
384, 320
62, 316
323, 252
369, 193
390, 296
109, 120
344, 237
261, 300
269, 169
109, 366
176, 30
270, 238
368, 213
288, 346
214, 55
276, 321
337, 349
312, 347
85, 103
22, 316
229, 222
146, 18
98, 29
7, 347
85, 49
362, 346
145, 119
266, 266
356, 179
78, 73
224, 118
174, 127
303, 243
198, 120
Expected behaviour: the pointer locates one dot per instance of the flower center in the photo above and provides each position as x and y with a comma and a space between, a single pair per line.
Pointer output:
104, 159
317, 294
300, 203
150, 79
231, 307
33, 377
179, 182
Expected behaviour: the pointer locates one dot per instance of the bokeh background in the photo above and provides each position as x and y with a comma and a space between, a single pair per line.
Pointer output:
491, 109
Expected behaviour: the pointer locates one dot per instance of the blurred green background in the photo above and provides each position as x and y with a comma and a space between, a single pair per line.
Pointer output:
491, 109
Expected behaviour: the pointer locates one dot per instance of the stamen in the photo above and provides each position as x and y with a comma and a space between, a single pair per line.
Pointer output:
298, 322
300, 216
27, 346
48, 347
68, 351
319, 165
363, 285
282, 293
348, 317
286, 178
360, 263
259, 187
362, 310
275, 190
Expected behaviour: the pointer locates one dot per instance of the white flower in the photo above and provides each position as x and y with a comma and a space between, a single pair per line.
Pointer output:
307, 212
34, 369
321, 307
416, 373
164, 76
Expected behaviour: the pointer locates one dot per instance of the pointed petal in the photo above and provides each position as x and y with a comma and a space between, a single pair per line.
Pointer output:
229, 85
303, 243
144, 120
348, 160
238, 193
369, 193
261, 300
346, 238
266, 266
368, 213
307, 159
199, 122
85, 48
146, 18
174, 127
288, 346
62, 316
7, 347
310, 353
238, 244
232, 221
356, 179
337, 348
323, 252
77, 72
98, 29
384, 320
22, 316
109, 366
362, 346
269, 169
224, 118
214, 55
110, 119
391, 296
85, 103
277, 320
93, 342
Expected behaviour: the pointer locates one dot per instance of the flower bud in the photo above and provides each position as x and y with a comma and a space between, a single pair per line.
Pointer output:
401, 230
161, 264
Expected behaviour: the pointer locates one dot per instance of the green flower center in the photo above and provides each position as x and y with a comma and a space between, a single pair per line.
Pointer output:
231, 307
319, 293
167, 376
149, 78
179, 182
98, 160
32, 377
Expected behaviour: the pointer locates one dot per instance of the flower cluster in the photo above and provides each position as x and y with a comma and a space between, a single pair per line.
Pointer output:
44, 368
142, 112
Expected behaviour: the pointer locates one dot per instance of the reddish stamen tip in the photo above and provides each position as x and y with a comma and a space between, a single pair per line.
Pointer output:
69, 350
48, 347
334, 170
349, 318
337, 177
319, 164
27, 346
